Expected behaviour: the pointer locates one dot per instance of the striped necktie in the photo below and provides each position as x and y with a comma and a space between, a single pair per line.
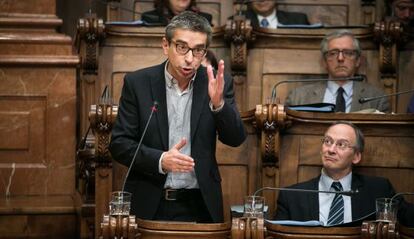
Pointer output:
336, 212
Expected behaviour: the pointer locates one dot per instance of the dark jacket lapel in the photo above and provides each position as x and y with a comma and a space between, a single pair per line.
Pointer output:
200, 91
159, 93
357, 201
313, 199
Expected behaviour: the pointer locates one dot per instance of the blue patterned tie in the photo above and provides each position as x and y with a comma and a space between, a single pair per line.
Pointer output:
264, 22
336, 212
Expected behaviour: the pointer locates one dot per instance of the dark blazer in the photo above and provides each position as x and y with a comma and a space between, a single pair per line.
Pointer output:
141, 88
285, 18
305, 206
153, 17
302, 206
314, 93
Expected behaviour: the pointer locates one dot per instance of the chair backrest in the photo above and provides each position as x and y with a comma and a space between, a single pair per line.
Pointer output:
181, 230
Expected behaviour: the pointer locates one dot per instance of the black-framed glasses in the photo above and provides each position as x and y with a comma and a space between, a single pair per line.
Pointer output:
346, 53
341, 144
183, 48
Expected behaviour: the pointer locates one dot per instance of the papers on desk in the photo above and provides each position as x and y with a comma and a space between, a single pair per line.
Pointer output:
312, 223
136, 23
311, 26
319, 107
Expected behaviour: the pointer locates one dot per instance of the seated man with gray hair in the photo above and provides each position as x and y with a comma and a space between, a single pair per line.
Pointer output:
341, 57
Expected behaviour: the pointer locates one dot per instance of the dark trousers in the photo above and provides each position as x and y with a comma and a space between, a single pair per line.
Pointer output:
187, 209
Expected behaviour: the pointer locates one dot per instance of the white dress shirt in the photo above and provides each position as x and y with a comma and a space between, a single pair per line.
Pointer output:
325, 199
332, 91
272, 19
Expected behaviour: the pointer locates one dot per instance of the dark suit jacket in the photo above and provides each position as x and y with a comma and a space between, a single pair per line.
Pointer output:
285, 18
314, 93
141, 88
155, 18
305, 206
302, 206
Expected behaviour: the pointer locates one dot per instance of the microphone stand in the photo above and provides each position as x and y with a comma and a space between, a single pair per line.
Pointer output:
354, 78
346, 193
153, 109
400, 194
368, 99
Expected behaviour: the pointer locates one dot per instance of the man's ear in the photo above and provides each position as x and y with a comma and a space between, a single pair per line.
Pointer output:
165, 46
357, 158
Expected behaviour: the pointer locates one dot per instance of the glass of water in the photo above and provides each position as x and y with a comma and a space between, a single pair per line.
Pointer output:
254, 206
120, 203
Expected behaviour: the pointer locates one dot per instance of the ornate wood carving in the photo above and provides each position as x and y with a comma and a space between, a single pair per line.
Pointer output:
378, 229
248, 227
118, 227
90, 33
270, 119
239, 34
389, 35
102, 117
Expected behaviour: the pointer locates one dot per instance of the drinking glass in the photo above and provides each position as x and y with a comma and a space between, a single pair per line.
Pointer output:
120, 203
254, 206
386, 209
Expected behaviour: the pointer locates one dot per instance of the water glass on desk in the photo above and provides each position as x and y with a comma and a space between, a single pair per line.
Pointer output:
120, 203
254, 206
386, 209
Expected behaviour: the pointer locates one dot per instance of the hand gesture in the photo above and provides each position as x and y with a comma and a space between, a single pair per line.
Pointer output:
216, 84
175, 161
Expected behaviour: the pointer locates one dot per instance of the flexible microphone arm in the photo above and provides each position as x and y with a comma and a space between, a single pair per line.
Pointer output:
346, 193
400, 194
368, 99
153, 109
353, 78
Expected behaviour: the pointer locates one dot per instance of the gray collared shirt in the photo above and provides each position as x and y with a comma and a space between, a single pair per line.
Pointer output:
179, 120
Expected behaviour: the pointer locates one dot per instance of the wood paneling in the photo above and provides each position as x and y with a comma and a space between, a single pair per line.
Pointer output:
37, 123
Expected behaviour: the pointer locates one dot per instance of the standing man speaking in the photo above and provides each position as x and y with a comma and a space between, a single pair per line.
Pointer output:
175, 176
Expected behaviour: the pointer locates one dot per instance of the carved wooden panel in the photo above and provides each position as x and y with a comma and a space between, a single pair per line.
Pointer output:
37, 122
28, 6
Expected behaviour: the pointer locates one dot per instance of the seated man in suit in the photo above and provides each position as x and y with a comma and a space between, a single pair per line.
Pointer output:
341, 53
165, 10
342, 147
264, 14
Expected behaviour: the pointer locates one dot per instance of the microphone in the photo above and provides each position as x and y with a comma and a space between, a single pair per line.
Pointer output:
345, 193
368, 99
154, 108
352, 78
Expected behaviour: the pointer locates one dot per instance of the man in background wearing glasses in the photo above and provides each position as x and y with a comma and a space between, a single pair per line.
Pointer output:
341, 57
175, 176
342, 147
